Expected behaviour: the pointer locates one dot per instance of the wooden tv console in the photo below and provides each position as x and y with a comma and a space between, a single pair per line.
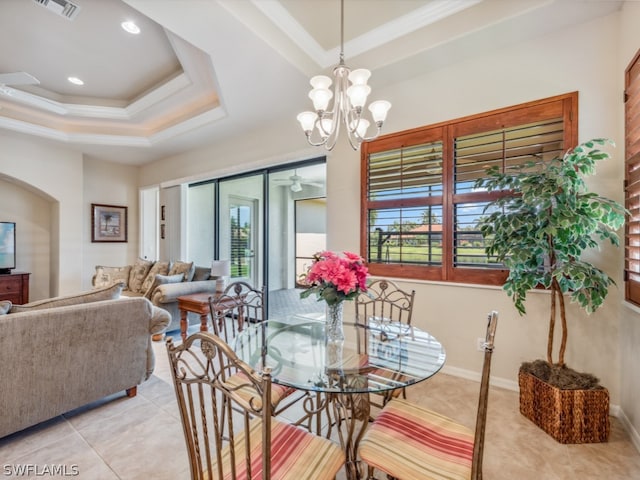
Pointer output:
14, 287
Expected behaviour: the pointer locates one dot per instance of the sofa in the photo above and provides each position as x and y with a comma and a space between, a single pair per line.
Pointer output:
63, 353
161, 282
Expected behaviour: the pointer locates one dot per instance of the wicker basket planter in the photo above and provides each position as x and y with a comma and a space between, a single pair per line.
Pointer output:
569, 416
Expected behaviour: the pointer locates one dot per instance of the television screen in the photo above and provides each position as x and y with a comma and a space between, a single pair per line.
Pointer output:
7, 246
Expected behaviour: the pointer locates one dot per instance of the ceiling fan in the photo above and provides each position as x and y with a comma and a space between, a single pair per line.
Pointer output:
295, 182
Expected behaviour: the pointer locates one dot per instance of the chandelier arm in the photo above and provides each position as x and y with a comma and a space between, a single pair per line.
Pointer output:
377, 134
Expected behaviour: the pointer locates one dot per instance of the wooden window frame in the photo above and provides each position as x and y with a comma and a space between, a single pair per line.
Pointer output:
561, 106
632, 180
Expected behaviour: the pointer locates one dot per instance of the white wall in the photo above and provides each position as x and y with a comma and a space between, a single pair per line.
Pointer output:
56, 173
31, 211
110, 184
581, 58
66, 262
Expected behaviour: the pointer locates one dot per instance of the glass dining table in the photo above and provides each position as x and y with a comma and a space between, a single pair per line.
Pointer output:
376, 357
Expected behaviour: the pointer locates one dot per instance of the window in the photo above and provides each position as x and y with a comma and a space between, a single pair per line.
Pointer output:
632, 180
420, 209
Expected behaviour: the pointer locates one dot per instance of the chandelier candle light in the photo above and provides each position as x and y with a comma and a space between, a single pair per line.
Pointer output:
349, 96
335, 279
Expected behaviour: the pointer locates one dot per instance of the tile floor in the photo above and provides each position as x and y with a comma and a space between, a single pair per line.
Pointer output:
141, 437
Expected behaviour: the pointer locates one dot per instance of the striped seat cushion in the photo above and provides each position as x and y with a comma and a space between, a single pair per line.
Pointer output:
408, 441
245, 390
295, 454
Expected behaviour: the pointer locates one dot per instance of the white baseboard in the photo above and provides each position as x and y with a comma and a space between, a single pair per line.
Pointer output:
614, 410
475, 376
633, 433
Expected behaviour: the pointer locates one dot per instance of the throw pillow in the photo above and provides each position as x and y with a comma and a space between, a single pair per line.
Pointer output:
5, 306
187, 268
163, 280
201, 273
138, 273
111, 292
161, 268
107, 276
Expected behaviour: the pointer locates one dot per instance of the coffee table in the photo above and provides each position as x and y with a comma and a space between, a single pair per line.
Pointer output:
199, 303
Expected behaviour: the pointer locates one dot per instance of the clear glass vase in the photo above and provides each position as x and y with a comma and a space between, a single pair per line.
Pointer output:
333, 327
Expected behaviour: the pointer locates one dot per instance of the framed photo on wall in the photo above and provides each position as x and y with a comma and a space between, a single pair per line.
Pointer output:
108, 223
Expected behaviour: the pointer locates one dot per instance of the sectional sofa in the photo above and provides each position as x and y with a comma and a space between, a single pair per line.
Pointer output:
62, 353
161, 282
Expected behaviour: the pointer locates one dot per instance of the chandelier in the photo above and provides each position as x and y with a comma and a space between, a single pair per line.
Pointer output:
349, 95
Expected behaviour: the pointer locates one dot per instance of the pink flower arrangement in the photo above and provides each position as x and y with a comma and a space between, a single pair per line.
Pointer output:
334, 278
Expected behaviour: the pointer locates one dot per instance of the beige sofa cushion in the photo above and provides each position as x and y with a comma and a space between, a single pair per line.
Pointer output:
158, 268
163, 280
186, 268
139, 272
111, 292
107, 276
201, 273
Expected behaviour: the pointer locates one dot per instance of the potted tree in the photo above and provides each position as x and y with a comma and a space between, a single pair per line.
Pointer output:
539, 230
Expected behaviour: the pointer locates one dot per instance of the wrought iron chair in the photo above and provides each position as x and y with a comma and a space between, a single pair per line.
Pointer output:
237, 304
240, 303
228, 437
410, 441
383, 304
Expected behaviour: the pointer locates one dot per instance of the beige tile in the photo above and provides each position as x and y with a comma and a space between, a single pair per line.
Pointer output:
144, 443
69, 453
34, 438
141, 437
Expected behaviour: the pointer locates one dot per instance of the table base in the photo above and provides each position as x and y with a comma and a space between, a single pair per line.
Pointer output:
352, 412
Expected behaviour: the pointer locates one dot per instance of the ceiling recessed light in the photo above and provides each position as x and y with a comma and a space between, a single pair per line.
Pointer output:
75, 81
130, 27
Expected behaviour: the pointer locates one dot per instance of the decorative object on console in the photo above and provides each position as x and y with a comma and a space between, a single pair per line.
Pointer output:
348, 102
220, 270
5, 307
108, 223
335, 279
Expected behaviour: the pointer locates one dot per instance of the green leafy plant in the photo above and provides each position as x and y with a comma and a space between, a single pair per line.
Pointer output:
541, 227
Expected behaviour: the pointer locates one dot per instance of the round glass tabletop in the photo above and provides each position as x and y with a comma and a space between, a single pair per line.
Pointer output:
374, 357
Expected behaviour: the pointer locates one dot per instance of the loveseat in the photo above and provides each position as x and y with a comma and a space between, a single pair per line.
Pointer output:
160, 282
62, 353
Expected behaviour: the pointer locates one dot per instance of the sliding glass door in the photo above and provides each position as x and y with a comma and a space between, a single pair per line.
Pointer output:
241, 227
268, 224
297, 229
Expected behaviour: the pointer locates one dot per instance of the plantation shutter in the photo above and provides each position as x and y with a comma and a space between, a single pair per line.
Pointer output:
632, 180
420, 209
506, 148
404, 201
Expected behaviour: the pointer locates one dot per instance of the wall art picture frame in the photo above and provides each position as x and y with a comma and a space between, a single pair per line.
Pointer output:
108, 223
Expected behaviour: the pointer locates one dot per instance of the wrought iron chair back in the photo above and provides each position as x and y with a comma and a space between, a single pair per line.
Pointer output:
239, 303
216, 419
382, 306
483, 398
443, 445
